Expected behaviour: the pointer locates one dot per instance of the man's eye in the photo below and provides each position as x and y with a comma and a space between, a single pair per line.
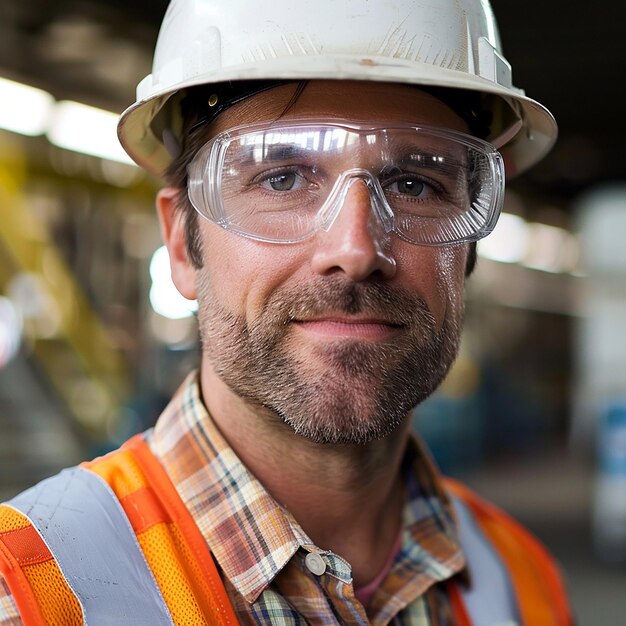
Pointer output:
413, 187
286, 181
410, 187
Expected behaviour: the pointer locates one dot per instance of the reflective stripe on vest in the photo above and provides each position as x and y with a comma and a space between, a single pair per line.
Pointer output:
84, 526
490, 601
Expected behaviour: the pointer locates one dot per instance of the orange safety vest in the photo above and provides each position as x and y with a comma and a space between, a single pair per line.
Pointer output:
182, 572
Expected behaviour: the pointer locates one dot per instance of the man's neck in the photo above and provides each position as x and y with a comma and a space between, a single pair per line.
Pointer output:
347, 498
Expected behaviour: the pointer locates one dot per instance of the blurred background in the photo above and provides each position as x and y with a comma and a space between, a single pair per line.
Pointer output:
93, 340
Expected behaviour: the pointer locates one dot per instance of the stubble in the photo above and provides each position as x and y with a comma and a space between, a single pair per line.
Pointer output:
343, 391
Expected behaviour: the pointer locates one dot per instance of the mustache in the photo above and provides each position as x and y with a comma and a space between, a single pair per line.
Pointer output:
338, 295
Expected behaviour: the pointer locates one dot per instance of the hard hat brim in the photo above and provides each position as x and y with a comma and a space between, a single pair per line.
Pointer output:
522, 144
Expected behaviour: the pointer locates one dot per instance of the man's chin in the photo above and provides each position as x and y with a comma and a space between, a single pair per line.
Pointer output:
342, 429
356, 360
344, 409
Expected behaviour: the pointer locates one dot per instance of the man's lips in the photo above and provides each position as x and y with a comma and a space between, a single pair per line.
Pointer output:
336, 327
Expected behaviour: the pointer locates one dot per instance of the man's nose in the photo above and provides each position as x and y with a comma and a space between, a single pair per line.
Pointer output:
356, 243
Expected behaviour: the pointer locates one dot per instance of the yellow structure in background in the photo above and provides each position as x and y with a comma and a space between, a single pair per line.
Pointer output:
82, 362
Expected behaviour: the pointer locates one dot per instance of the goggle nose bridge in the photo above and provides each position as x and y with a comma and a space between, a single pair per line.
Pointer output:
338, 194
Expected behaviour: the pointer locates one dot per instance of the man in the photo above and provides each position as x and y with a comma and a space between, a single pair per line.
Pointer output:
329, 171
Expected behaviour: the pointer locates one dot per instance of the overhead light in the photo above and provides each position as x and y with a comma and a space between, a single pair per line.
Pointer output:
551, 249
24, 109
534, 245
508, 242
86, 129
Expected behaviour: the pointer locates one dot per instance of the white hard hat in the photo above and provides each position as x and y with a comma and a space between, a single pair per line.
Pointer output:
435, 43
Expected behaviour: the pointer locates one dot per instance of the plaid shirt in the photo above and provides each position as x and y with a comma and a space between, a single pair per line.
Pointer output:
261, 549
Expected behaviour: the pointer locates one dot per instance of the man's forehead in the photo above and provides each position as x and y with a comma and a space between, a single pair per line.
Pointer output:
346, 100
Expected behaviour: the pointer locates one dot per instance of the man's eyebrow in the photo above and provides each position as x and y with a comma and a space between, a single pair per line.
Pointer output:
254, 153
409, 153
430, 161
404, 153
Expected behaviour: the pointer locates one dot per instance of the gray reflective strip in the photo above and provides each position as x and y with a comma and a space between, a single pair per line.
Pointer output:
490, 601
84, 526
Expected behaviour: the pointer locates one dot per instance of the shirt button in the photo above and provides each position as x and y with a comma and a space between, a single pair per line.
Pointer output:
315, 563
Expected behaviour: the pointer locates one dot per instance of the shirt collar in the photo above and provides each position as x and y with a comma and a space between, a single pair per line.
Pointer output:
251, 536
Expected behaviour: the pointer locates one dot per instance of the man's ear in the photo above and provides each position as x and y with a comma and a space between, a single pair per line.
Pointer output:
173, 232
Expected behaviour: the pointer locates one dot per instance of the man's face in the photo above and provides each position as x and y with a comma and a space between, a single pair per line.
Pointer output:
342, 334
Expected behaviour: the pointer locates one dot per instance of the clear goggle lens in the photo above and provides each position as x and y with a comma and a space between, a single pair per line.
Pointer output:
282, 183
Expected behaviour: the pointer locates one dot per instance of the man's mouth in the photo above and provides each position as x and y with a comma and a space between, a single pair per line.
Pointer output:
349, 327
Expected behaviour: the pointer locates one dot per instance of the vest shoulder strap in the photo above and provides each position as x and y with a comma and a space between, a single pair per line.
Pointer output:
201, 572
123, 544
490, 598
83, 525
538, 590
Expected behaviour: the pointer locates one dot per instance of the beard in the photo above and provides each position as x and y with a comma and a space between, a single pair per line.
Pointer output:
346, 391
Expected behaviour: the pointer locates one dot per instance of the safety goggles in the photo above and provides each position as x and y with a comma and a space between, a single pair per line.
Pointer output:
282, 182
